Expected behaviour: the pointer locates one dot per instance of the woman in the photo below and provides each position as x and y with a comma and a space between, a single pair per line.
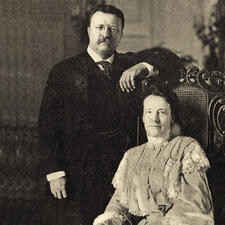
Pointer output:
162, 182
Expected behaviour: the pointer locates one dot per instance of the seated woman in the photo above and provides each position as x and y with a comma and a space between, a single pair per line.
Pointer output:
162, 182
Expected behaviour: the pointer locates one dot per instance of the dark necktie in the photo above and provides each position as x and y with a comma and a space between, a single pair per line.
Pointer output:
106, 66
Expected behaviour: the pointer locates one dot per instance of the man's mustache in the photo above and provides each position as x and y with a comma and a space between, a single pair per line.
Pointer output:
104, 40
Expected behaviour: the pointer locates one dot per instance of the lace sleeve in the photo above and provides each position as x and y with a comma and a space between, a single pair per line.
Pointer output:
115, 212
194, 159
193, 204
121, 173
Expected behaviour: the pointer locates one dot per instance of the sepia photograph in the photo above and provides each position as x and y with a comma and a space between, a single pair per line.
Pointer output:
112, 112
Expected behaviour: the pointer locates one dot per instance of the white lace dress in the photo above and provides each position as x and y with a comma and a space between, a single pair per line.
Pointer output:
166, 185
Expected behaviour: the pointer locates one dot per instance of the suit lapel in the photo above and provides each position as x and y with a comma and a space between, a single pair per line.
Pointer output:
82, 74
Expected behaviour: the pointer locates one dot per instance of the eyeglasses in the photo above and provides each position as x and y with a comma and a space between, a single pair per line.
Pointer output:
101, 27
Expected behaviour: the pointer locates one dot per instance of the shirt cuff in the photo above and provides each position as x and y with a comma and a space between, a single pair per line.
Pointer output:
55, 175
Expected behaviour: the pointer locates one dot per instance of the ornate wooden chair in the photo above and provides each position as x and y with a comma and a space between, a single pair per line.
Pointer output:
202, 98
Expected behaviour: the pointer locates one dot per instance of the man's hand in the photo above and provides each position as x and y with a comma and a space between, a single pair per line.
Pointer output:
127, 80
58, 187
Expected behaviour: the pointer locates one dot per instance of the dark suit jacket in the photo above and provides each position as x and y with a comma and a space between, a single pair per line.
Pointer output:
64, 122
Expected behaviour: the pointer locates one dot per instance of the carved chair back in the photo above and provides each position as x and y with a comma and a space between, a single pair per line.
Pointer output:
202, 108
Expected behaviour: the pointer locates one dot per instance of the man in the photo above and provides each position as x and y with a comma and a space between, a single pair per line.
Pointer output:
87, 117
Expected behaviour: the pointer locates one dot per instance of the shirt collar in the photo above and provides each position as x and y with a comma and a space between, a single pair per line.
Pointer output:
97, 58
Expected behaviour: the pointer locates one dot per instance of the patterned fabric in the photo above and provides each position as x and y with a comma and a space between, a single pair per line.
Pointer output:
166, 184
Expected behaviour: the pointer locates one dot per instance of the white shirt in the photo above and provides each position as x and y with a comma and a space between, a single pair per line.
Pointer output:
97, 58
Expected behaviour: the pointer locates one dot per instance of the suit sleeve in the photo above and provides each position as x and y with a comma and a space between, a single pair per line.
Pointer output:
49, 124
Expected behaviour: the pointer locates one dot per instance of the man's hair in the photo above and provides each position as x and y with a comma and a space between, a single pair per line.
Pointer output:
166, 93
107, 9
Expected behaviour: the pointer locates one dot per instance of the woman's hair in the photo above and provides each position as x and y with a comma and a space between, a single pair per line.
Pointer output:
168, 95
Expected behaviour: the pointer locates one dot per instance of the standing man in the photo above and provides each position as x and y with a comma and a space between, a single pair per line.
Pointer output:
88, 118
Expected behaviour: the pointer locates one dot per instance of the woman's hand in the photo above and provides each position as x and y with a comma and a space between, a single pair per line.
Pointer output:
109, 222
109, 218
